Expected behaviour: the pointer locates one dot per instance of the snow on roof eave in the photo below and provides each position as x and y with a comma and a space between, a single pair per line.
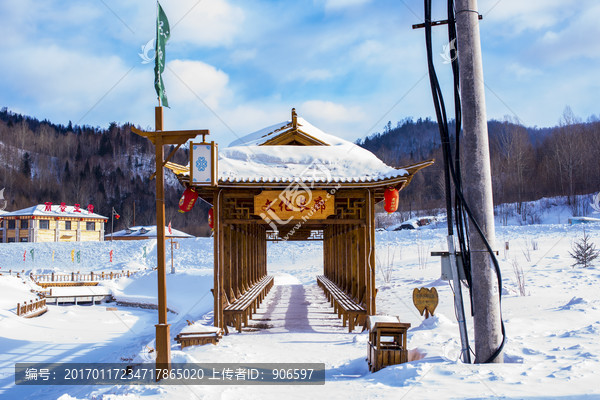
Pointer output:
350, 181
39, 211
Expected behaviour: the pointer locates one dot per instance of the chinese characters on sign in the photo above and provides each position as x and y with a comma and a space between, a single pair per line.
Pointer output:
284, 206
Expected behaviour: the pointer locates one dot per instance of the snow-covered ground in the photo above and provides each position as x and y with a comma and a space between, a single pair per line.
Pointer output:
552, 349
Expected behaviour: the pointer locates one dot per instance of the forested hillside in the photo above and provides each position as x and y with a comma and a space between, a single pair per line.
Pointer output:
81, 164
111, 167
527, 163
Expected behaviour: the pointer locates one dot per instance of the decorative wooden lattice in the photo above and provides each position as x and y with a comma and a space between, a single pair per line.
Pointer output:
350, 208
237, 208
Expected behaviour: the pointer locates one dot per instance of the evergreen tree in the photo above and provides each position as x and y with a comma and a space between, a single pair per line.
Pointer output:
584, 251
26, 165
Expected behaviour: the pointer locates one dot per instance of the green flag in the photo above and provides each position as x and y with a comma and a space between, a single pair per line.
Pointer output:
162, 35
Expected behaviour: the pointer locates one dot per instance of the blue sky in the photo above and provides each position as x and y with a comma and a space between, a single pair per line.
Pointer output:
235, 66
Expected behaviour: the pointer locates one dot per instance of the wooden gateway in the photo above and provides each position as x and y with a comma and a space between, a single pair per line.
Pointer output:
291, 181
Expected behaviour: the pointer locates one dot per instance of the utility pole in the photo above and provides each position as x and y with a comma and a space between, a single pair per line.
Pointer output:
477, 183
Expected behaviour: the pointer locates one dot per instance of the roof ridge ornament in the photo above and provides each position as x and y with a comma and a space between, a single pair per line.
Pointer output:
294, 119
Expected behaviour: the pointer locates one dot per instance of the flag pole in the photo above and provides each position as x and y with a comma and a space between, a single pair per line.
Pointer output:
163, 336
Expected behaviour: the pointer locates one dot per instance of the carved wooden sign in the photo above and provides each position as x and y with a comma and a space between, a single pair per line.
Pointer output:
426, 300
284, 205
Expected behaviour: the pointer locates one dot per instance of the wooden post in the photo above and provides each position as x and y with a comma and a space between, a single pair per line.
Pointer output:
371, 290
218, 277
163, 337
227, 286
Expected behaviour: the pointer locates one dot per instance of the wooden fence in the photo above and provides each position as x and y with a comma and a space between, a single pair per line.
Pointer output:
31, 307
78, 277
11, 272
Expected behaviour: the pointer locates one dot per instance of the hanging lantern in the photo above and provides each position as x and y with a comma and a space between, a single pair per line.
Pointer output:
188, 199
391, 200
211, 218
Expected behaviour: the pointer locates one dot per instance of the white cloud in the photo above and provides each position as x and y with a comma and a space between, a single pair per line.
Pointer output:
340, 4
243, 55
572, 39
194, 81
369, 51
204, 22
521, 71
309, 75
330, 112
60, 78
517, 16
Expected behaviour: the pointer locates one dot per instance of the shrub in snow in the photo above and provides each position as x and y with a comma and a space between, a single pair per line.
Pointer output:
584, 251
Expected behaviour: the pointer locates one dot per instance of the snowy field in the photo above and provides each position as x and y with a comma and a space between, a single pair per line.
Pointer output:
552, 349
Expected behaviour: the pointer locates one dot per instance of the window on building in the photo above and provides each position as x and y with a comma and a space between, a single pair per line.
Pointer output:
23, 239
90, 226
68, 225
24, 224
11, 224
11, 240
44, 224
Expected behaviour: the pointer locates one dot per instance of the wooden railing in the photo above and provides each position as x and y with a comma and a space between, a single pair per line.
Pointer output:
32, 306
78, 277
11, 272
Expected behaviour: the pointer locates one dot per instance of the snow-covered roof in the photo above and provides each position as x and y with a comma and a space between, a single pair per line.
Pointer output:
247, 160
147, 231
55, 211
263, 135
335, 163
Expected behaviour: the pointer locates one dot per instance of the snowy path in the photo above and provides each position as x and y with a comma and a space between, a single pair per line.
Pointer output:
296, 308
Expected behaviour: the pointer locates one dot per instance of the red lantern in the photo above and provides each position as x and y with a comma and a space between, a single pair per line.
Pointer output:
211, 218
188, 199
391, 200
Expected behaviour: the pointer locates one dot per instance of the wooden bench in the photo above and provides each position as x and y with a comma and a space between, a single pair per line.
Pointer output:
346, 308
186, 339
241, 310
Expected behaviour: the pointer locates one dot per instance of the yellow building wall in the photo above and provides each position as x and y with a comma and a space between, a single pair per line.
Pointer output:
87, 236
45, 235
48, 235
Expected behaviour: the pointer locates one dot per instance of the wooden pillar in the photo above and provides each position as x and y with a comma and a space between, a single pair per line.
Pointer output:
253, 251
344, 259
325, 250
362, 264
331, 244
371, 291
244, 258
163, 337
218, 278
236, 260
227, 263
354, 263
333, 253
262, 238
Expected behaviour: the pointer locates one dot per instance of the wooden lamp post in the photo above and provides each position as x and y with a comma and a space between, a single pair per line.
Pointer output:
160, 138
